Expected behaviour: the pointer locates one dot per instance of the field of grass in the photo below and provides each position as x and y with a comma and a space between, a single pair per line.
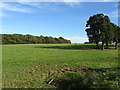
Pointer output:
28, 66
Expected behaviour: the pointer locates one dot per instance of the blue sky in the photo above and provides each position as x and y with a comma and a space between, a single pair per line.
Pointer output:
66, 19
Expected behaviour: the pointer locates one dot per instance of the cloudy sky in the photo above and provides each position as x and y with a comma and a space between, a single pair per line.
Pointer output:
66, 19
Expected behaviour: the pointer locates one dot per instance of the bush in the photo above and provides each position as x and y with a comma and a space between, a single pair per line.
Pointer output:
71, 80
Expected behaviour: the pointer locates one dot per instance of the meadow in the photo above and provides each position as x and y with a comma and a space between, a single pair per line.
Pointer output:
31, 65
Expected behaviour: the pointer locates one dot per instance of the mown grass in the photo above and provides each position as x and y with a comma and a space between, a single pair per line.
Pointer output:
27, 66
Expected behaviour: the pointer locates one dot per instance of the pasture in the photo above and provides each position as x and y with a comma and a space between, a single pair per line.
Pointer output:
30, 65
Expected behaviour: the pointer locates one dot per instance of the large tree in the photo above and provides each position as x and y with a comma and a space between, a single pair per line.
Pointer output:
116, 37
99, 30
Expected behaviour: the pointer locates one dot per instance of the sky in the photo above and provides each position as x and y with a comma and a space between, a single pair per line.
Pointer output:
56, 19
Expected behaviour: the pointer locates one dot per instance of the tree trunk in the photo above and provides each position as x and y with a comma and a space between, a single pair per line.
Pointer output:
97, 45
107, 45
116, 45
102, 45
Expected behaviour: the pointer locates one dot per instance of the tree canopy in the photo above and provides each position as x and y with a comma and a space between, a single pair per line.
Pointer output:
101, 29
30, 39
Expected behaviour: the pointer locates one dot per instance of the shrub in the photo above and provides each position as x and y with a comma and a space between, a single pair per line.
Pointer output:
71, 80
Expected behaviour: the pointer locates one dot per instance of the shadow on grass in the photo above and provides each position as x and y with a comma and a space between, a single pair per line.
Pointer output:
72, 46
77, 69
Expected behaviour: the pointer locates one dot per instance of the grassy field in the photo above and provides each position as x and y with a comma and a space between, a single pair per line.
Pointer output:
27, 66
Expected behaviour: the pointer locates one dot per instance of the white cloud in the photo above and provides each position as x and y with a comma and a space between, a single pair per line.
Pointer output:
14, 8
73, 4
62, 0
116, 5
77, 39
110, 0
43, 6
4, 6
2, 15
114, 14
21, 3
23, 6
34, 4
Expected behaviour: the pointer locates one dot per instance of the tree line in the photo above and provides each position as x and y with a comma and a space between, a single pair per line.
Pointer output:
30, 39
101, 29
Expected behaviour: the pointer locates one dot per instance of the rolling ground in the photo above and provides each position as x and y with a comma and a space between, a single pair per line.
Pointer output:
29, 65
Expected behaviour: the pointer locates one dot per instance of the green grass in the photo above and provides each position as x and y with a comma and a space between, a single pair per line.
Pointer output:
29, 65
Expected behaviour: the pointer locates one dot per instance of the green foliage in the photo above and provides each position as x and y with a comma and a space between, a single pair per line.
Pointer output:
100, 29
71, 80
29, 39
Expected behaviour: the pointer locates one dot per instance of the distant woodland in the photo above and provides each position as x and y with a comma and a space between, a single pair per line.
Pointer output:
30, 39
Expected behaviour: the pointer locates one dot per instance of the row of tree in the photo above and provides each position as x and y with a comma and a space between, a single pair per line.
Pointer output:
30, 39
101, 29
